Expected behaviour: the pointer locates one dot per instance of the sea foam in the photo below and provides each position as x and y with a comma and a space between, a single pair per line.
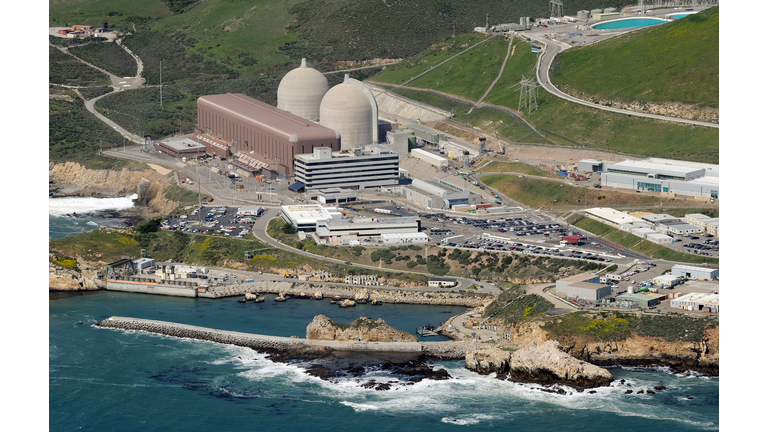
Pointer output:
84, 205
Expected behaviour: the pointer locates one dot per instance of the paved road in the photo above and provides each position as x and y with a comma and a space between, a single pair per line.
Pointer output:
89, 105
551, 49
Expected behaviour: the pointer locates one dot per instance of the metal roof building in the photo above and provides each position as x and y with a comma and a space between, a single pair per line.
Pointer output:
665, 176
691, 272
612, 217
584, 286
268, 135
698, 302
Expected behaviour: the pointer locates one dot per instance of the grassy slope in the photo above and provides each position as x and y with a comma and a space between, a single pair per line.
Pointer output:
587, 126
637, 244
674, 62
536, 192
226, 29
498, 165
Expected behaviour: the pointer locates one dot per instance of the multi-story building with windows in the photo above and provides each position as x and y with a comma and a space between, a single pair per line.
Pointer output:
375, 166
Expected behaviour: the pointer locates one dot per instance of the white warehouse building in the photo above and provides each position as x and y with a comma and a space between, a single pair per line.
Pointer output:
691, 272
697, 302
667, 177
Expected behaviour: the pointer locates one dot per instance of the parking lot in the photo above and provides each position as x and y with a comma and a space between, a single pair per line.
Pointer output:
213, 219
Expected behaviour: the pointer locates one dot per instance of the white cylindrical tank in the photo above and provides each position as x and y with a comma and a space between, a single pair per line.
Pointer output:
301, 91
348, 110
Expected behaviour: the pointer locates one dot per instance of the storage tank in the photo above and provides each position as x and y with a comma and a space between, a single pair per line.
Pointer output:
301, 91
350, 109
594, 12
522, 21
582, 15
609, 10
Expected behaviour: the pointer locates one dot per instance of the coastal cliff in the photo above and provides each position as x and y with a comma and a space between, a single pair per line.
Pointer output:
700, 355
362, 329
72, 179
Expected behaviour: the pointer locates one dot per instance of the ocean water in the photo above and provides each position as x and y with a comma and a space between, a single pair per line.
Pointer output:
103, 379
92, 212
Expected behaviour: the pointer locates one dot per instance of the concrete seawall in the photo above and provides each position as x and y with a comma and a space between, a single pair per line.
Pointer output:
439, 350
443, 298
160, 289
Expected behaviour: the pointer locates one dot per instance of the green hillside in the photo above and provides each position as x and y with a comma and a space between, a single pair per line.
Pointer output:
674, 62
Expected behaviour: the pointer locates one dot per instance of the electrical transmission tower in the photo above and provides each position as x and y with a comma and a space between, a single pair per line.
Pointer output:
529, 90
557, 8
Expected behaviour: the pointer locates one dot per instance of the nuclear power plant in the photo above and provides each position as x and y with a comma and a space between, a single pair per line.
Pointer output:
309, 115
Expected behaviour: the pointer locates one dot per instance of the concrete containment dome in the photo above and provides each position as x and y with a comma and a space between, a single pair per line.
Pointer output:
301, 91
350, 109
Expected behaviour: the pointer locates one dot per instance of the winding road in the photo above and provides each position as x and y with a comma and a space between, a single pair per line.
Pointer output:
552, 48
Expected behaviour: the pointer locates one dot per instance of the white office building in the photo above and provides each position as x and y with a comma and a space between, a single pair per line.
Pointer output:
306, 217
337, 230
375, 166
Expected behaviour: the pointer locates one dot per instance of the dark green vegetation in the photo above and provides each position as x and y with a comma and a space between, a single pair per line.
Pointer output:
442, 261
674, 62
535, 192
222, 251
74, 134
522, 306
139, 110
637, 244
108, 56
90, 93
65, 69
344, 30
614, 326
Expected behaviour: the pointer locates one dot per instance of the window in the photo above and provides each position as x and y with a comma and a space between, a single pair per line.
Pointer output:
650, 187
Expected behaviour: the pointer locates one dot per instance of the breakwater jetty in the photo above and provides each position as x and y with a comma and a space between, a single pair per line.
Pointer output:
446, 350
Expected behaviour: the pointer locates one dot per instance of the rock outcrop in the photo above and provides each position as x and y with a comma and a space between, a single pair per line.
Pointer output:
701, 356
61, 279
544, 363
362, 329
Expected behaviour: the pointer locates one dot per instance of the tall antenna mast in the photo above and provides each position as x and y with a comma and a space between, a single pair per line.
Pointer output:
161, 83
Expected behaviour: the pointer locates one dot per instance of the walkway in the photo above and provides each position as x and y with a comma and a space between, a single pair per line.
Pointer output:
501, 71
